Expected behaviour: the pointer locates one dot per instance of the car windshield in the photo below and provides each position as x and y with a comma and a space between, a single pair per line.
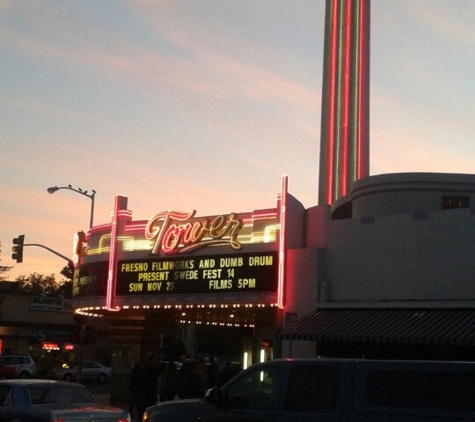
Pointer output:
56, 394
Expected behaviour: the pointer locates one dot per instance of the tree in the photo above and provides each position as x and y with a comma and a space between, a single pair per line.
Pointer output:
3, 269
40, 284
47, 285
66, 287
68, 271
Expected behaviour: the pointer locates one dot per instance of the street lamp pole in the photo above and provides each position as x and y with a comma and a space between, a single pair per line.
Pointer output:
91, 196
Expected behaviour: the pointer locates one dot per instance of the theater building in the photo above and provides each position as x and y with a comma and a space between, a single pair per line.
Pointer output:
386, 272
382, 267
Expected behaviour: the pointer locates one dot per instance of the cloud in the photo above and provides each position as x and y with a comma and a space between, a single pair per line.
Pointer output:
451, 19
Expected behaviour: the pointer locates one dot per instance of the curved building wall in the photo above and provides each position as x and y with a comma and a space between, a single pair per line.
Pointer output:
402, 258
407, 192
400, 244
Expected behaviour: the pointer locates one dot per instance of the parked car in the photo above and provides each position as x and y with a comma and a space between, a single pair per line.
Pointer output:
334, 390
7, 372
25, 365
43, 400
90, 371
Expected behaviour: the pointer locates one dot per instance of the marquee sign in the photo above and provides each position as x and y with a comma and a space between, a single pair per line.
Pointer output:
253, 272
165, 277
176, 257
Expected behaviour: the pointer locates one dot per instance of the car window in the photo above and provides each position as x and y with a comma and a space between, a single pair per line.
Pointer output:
5, 395
48, 394
313, 389
258, 389
418, 390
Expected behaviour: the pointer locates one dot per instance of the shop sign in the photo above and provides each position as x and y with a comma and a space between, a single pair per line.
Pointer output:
47, 303
50, 346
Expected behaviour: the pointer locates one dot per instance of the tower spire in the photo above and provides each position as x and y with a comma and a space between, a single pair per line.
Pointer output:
344, 142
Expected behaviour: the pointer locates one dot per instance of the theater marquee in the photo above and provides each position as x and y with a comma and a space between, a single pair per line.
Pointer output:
179, 258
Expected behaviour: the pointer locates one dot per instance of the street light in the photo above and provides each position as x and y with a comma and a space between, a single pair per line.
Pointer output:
91, 196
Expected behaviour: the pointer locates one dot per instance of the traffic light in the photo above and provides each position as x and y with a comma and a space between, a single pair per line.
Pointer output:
17, 248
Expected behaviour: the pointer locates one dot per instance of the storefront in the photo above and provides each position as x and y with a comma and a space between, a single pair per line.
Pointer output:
39, 326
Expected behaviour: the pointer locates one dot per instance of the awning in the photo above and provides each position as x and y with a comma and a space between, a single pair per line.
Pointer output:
411, 326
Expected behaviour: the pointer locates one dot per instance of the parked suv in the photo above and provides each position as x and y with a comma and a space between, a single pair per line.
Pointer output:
24, 365
334, 390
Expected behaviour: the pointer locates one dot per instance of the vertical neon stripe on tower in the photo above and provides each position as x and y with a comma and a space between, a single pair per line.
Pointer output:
282, 242
363, 92
356, 106
346, 99
119, 205
332, 104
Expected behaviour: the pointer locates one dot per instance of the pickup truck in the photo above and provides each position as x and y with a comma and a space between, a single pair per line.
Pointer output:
334, 390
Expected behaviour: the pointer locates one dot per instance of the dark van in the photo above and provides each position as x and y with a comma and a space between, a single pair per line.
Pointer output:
334, 390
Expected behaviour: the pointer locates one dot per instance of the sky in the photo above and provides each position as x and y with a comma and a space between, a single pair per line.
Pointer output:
204, 105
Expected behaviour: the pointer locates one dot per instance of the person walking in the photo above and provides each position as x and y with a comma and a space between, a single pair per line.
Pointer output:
135, 386
149, 386
201, 378
184, 377
168, 382
211, 370
225, 373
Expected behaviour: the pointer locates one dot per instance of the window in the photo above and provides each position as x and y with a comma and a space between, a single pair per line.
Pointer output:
313, 389
5, 395
452, 202
416, 390
258, 389
47, 394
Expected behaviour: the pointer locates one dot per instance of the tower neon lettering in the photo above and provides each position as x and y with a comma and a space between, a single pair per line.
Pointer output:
176, 232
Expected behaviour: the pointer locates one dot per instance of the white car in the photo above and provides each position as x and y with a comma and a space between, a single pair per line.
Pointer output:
25, 365
90, 371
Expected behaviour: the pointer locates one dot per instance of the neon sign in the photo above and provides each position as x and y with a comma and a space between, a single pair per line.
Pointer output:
79, 241
173, 232
50, 346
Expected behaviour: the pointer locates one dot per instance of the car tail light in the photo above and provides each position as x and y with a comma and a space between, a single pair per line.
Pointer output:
118, 420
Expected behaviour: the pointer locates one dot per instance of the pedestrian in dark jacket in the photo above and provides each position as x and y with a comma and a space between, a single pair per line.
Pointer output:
225, 373
135, 386
149, 386
168, 382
